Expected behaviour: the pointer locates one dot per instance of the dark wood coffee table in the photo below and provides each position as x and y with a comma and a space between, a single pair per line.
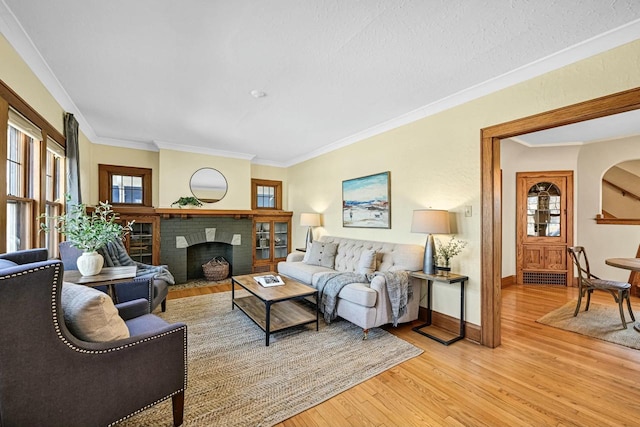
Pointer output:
274, 308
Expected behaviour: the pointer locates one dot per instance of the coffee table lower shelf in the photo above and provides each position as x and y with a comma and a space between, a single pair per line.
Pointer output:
277, 315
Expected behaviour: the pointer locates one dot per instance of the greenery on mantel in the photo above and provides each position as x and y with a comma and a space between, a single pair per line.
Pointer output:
187, 201
88, 232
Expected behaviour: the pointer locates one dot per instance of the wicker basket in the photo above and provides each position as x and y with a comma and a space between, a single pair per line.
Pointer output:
216, 269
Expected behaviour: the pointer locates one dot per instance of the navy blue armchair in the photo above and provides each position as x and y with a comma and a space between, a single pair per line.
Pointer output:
49, 377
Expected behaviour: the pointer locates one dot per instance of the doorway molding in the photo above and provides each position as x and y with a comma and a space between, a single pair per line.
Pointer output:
491, 192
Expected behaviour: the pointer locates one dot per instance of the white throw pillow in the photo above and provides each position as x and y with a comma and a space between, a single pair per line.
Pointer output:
307, 254
323, 254
90, 314
367, 263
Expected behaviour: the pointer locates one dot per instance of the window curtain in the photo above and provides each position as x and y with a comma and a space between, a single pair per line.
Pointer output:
73, 159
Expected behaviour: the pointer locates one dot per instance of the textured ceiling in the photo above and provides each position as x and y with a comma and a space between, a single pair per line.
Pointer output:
178, 74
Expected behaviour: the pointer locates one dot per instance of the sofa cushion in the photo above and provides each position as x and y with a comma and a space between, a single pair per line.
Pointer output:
90, 314
367, 263
145, 324
359, 293
323, 254
301, 271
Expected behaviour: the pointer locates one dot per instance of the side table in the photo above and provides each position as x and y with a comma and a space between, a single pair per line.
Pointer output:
449, 279
108, 276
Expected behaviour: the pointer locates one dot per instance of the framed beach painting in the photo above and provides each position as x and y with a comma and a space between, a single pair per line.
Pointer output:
366, 201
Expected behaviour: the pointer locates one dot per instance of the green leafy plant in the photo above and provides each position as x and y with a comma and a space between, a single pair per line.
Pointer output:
187, 201
446, 251
87, 231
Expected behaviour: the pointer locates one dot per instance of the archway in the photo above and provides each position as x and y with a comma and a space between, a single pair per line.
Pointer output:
491, 227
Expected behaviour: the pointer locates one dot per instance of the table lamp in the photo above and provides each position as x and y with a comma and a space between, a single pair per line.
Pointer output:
430, 221
309, 220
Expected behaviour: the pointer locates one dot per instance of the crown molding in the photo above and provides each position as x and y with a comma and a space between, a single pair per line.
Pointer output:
529, 145
15, 34
590, 47
126, 143
162, 145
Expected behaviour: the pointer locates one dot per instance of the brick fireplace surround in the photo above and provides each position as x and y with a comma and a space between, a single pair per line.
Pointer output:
188, 242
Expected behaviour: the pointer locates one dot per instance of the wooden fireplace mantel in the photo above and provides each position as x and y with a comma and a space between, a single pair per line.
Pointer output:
237, 214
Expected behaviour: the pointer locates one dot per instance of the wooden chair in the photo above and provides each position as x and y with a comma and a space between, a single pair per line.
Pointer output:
587, 283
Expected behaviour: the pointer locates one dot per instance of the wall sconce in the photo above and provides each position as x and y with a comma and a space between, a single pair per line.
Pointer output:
430, 221
309, 220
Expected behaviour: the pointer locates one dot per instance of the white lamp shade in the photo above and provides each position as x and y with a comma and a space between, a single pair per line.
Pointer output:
310, 219
430, 221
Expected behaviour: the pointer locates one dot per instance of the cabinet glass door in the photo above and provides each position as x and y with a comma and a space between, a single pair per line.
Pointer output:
141, 242
263, 235
543, 210
280, 239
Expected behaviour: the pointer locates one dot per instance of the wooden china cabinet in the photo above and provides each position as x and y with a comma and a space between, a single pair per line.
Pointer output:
544, 227
271, 240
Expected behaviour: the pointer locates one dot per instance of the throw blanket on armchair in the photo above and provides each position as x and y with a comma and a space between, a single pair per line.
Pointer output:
115, 255
329, 286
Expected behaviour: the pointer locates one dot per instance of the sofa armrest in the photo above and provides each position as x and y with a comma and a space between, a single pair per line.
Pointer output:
131, 309
295, 257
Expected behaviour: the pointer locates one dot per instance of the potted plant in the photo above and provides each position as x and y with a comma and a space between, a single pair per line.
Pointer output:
187, 201
446, 251
88, 232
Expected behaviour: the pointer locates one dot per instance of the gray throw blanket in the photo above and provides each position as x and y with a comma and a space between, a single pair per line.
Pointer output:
115, 255
329, 286
400, 293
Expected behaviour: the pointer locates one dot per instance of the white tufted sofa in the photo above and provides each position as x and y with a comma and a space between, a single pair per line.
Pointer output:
364, 304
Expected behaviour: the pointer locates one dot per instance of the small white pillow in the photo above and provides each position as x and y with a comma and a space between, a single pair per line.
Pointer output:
307, 254
367, 263
90, 314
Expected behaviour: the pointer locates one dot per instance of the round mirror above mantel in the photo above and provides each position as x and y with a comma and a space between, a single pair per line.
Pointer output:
208, 185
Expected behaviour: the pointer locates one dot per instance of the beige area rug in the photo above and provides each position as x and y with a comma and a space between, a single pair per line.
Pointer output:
601, 321
235, 380
197, 283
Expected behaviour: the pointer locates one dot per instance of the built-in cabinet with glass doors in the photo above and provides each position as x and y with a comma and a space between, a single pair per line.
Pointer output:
143, 242
271, 241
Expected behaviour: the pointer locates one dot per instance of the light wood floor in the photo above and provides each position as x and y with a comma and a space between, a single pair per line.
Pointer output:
540, 376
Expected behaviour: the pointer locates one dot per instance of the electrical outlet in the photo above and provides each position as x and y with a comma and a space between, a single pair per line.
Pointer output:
467, 210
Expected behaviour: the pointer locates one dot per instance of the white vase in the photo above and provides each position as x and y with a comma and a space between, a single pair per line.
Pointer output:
90, 263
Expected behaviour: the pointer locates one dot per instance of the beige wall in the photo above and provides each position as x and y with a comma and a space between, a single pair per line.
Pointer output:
604, 241
108, 155
177, 167
435, 162
19, 77
275, 174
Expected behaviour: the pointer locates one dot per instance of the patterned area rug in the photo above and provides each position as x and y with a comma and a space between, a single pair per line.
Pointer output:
235, 380
601, 321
